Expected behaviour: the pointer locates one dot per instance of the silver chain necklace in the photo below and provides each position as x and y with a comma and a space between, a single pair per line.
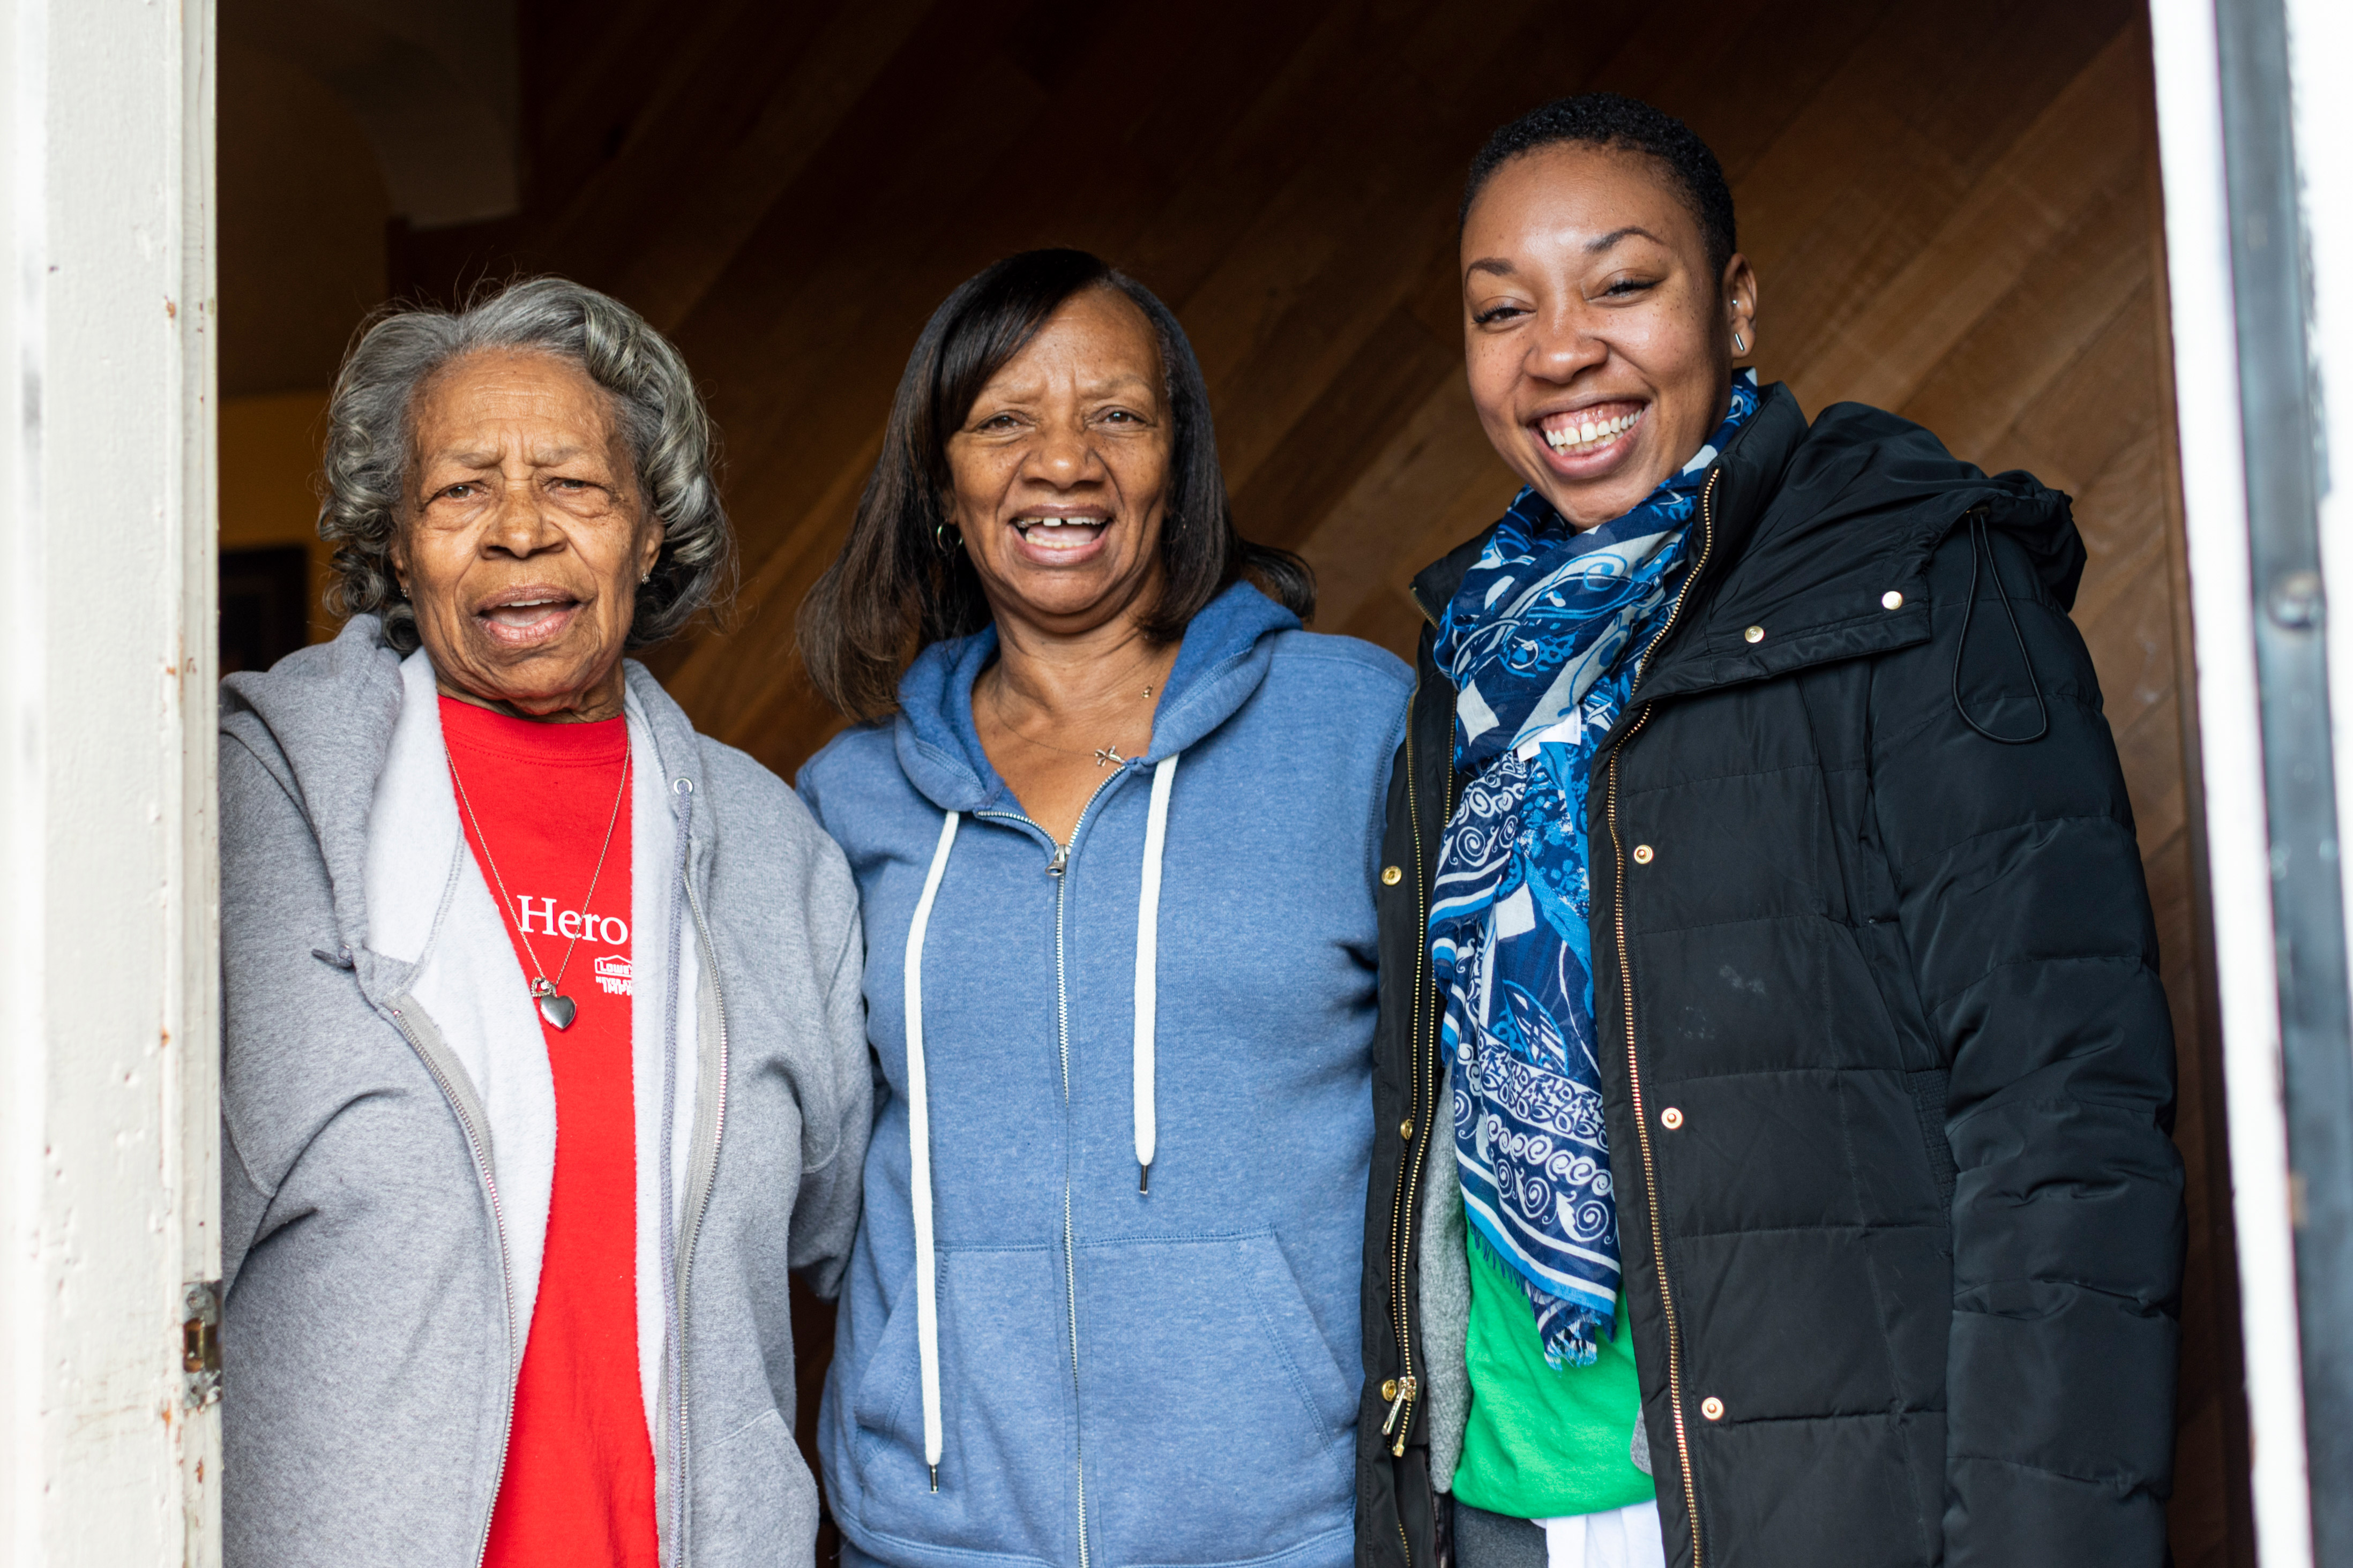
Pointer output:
557, 1009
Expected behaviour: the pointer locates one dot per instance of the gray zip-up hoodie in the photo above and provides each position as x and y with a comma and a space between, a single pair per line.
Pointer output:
389, 1127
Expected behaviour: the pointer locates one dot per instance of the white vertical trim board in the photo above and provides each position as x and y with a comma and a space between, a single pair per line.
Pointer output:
2213, 487
109, 964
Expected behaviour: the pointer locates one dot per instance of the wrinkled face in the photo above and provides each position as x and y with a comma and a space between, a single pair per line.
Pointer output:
522, 536
1060, 470
1598, 337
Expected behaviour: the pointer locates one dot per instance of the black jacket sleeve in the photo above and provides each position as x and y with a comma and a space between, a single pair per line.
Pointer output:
2023, 905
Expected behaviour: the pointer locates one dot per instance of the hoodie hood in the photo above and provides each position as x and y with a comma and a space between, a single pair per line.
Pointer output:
324, 717
322, 721
1221, 661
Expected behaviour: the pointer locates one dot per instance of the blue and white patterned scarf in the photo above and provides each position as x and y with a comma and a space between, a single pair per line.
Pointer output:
1542, 642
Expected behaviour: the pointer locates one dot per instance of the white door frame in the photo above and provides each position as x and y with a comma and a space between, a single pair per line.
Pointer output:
108, 906
2253, 118
108, 1001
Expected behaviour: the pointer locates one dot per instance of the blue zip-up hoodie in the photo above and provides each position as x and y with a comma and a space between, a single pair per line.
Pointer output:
1124, 1377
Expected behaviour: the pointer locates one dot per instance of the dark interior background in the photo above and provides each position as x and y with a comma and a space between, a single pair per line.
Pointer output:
1954, 211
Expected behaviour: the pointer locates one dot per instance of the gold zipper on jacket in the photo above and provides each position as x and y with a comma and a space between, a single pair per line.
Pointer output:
1409, 1387
1633, 1063
1400, 1221
1400, 1415
1427, 1124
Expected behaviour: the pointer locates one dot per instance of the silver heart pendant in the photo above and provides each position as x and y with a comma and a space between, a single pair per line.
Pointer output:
558, 1010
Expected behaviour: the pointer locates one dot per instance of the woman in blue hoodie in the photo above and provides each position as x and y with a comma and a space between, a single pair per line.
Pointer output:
1114, 819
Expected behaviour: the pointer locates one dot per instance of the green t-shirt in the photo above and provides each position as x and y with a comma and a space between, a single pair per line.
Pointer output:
1541, 1443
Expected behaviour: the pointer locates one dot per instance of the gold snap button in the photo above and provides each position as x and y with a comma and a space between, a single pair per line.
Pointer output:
1391, 876
1388, 1389
1671, 1119
1405, 1131
1644, 854
1890, 600
1755, 634
1712, 1408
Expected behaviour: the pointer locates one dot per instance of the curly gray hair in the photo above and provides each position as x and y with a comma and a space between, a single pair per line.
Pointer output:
365, 472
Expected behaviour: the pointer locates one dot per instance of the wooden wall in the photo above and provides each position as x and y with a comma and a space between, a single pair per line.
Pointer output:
1952, 208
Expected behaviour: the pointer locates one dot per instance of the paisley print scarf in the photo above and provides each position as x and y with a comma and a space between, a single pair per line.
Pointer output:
1542, 642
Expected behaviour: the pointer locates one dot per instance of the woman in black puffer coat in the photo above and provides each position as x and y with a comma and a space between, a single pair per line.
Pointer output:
1886, 1069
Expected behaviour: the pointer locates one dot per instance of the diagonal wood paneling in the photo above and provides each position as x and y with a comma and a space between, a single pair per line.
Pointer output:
1953, 210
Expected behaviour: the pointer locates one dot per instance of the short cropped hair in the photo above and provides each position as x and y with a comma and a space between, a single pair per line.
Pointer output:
1613, 120
366, 473
901, 582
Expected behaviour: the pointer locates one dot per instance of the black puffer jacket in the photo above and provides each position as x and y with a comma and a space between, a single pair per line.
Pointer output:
1888, 1069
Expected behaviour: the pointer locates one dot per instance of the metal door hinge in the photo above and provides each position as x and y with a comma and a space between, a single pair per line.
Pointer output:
200, 1360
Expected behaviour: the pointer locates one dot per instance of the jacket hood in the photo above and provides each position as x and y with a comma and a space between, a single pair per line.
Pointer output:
1221, 661
1886, 483
1824, 535
1815, 527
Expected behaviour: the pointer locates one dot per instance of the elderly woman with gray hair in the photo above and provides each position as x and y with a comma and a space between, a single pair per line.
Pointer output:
505, 1253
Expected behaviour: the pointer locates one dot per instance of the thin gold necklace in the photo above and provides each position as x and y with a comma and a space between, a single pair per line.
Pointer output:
557, 1009
1103, 755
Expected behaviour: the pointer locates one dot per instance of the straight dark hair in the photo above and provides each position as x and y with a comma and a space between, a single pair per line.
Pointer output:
901, 583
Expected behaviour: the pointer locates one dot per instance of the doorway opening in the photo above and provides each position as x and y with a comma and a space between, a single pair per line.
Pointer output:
1954, 211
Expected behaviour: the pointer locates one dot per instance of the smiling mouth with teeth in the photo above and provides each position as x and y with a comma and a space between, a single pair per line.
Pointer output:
1580, 432
1061, 533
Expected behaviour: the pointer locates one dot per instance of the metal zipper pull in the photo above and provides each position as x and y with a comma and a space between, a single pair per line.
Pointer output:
1061, 862
1407, 1387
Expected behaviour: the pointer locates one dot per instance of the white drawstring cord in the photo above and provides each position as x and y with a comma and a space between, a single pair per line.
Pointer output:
919, 1120
919, 1156
1147, 973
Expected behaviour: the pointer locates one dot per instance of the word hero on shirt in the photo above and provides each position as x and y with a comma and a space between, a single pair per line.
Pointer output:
553, 922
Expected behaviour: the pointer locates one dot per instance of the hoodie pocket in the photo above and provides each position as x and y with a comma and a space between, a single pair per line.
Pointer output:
1218, 1426
1007, 1453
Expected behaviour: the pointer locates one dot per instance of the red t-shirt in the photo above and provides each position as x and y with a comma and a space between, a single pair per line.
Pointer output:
579, 1483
